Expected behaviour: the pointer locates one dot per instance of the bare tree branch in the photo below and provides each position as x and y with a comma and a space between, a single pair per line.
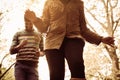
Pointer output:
91, 26
116, 24
95, 18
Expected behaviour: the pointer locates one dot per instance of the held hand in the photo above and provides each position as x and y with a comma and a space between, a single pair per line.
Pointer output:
30, 15
40, 53
37, 52
108, 40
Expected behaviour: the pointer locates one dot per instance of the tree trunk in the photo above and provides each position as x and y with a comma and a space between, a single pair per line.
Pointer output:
115, 63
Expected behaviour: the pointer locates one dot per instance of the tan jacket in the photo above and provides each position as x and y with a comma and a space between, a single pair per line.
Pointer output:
64, 21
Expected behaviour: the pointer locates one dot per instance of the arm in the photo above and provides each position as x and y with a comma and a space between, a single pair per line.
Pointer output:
89, 35
40, 50
14, 43
41, 24
15, 48
30, 15
41, 46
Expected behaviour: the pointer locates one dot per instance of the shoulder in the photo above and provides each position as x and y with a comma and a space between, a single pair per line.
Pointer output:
37, 33
80, 4
50, 2
19, 32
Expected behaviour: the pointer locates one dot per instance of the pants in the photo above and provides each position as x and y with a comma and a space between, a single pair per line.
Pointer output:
25, 72
72, 51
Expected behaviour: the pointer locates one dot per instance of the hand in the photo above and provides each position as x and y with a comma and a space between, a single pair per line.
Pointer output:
23, 42
40, 53
108, 40
30, 15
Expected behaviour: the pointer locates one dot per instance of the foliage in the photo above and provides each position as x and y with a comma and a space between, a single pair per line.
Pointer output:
105, 15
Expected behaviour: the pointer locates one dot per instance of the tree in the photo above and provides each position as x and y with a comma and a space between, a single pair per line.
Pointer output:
106, 14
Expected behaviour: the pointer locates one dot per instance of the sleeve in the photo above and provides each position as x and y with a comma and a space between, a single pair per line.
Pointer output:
42, 23
46, 14
86, 33
41, 46
14, 44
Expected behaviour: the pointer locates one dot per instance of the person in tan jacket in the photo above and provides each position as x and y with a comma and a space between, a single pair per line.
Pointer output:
65, 25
